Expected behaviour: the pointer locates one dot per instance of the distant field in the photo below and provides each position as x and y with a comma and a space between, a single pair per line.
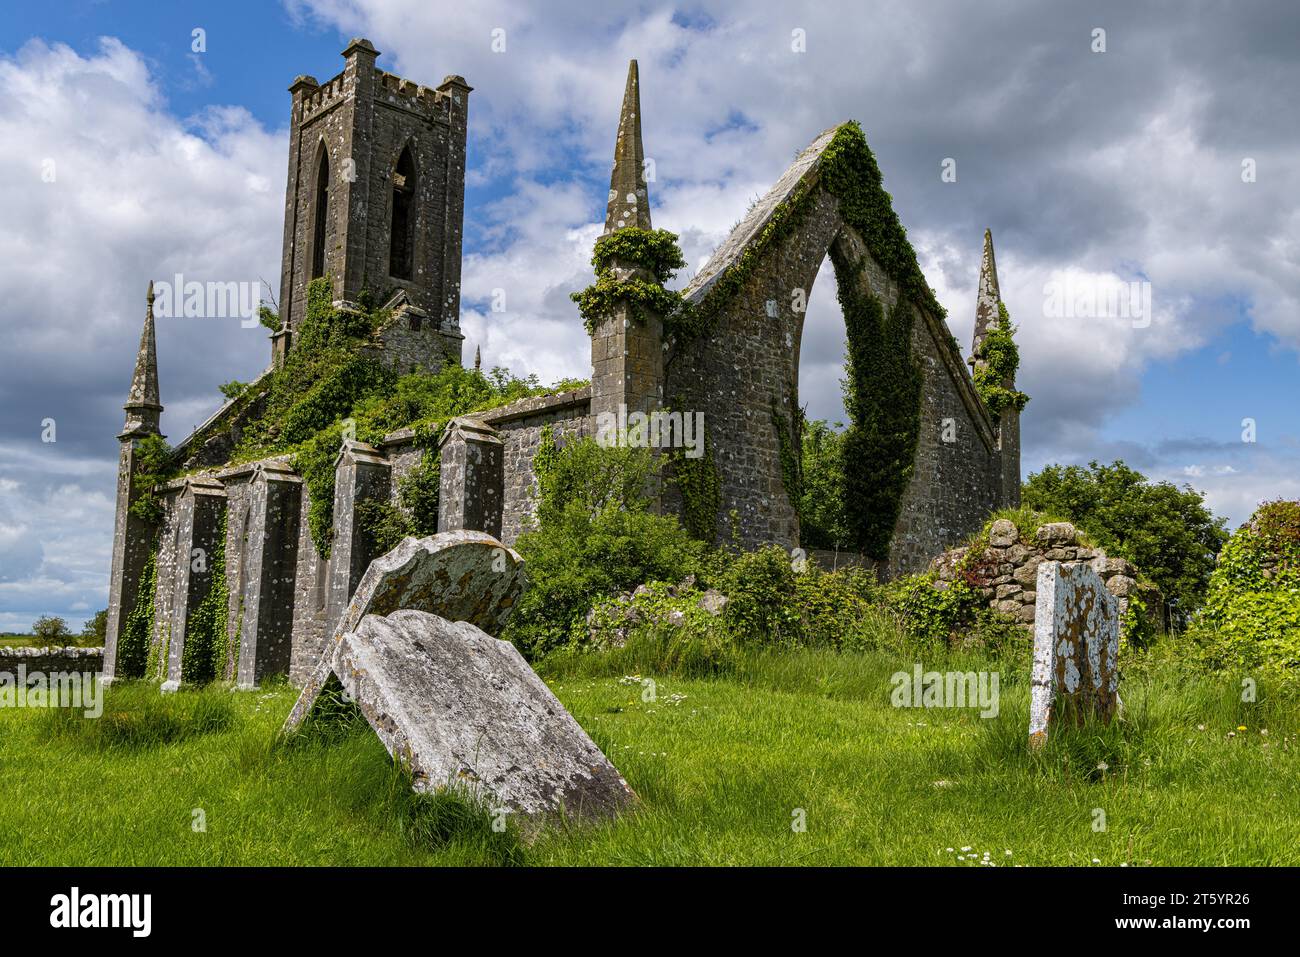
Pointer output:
723, 766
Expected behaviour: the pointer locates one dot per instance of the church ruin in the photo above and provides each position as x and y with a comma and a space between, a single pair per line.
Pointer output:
375, 200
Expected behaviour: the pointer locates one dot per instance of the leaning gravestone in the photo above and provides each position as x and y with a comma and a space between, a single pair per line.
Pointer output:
463, 709
414, 652
461, 576
1076, 649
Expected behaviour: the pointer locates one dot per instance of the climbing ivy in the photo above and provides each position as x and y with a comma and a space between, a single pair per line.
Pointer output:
790, 438
599, 300
133, 637
1000, 360
701, 491
882, 395
848, 171
152, 455
654, 250
207, 638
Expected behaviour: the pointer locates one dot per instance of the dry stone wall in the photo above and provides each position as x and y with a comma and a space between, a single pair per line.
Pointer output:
1005, 571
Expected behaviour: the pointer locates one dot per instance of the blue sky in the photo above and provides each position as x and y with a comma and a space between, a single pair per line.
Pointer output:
1104, 166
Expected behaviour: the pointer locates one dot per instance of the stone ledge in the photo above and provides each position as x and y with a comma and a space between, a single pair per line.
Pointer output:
534, 405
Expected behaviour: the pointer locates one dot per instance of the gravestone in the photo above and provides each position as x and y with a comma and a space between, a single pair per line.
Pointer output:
461, 576
1076, 649
460, 708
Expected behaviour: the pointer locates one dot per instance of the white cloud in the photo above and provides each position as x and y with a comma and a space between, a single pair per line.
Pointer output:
104, 189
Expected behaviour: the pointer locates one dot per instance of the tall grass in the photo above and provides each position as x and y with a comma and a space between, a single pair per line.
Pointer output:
724, 760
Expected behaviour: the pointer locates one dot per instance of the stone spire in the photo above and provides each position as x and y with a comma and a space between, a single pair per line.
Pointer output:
986, 300
478, 358
629, 200
143, 406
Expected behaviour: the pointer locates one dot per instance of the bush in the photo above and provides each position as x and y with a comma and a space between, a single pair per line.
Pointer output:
1168, 532
1251, 618
593, 537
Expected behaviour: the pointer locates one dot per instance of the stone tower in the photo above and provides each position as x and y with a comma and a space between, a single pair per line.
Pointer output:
132, 536
987, 309
627, 352
375, 196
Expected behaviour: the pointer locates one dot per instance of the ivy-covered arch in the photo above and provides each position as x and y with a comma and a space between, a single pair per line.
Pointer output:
924, 465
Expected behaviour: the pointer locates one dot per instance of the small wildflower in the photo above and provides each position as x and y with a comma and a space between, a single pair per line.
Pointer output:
1241, 727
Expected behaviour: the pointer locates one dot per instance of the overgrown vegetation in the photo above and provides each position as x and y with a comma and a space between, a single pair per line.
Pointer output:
207, 633
653, 250
333, 385
995, 375
1251, 619
1168, 532
594, 535
823, 518
717, 762
882, 396
135, 630
151, 468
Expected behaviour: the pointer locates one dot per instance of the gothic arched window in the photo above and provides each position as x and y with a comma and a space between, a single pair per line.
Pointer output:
321, 213
401, 241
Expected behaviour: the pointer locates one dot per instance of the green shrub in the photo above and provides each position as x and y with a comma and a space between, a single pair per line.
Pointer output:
1166, 531
594, 536
1251, 618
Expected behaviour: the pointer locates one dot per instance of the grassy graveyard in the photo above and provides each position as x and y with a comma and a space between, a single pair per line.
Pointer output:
789, 757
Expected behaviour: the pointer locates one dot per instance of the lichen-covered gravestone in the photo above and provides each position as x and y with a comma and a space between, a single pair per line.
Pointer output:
462, 709
1076, 649
458, 707
460, 576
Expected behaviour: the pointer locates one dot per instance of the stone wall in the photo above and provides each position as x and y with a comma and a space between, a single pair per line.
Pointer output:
743, 377
1006, 570
520, 425
48, 660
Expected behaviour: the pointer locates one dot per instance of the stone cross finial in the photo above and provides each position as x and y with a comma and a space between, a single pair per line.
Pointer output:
629, 200
986, 301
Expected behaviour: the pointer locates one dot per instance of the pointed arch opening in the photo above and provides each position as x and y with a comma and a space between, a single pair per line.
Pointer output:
320, 213
401, 250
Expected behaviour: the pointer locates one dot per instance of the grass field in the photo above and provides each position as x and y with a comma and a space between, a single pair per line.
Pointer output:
724, 767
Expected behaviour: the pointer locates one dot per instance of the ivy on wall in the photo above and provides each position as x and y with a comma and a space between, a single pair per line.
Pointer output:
701, 490
995, 375
882, 396
789, 436
207, 637
848, 171
133, 638
150, 469
654, 250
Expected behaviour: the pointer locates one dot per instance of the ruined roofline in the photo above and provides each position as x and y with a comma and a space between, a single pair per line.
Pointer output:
211, 423
799, 180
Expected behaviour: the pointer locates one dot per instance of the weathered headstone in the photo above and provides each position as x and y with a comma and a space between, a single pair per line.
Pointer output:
460, 576
1076, 649
460, 708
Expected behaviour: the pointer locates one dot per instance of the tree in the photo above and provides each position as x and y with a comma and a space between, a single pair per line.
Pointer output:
95, 628
51, 629
822, 519
1167, 531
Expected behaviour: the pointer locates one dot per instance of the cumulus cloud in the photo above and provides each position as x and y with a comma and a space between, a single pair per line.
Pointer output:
1119, 167
103, 190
